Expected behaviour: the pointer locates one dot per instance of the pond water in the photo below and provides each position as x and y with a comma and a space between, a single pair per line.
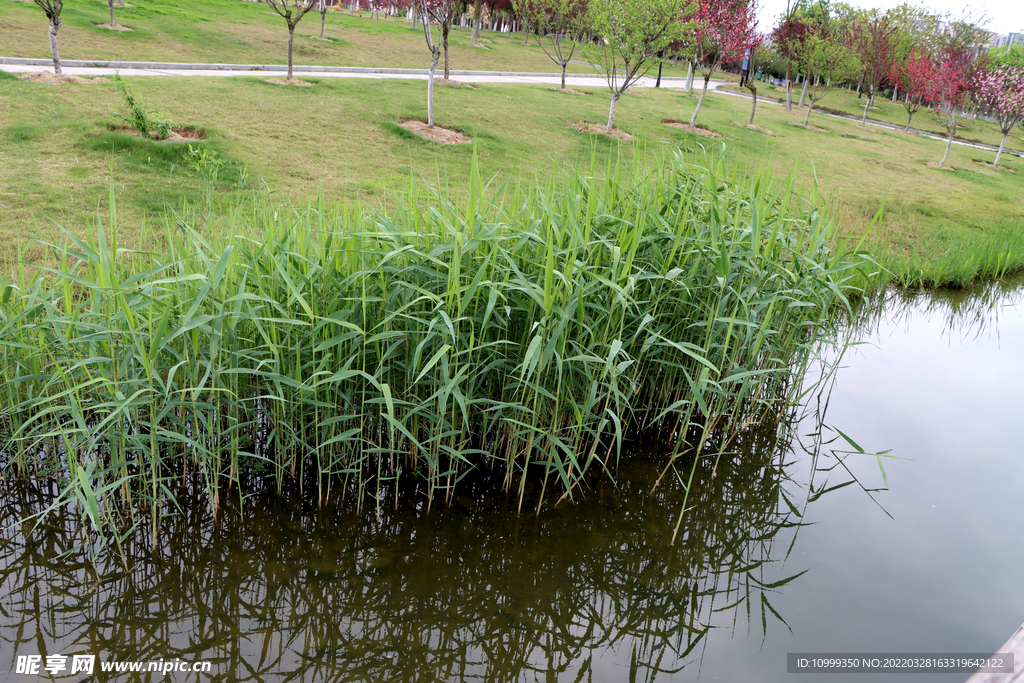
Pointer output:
771, 558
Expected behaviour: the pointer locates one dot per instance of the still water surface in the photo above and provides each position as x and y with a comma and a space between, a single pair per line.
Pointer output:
773, 558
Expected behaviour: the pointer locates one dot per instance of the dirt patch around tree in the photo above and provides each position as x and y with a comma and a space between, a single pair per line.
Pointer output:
697, 130
750, 126
178, 133
806, 127
569, 91
453, 84
935, 164
987, 164
113, 27
288, 81
445, 136
47, 77
599, 129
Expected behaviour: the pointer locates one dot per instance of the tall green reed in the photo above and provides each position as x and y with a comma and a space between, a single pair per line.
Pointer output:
532, 330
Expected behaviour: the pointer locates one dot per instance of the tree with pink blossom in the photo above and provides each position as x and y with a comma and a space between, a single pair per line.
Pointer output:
721, 32
913, 77
953, 83
1002, 92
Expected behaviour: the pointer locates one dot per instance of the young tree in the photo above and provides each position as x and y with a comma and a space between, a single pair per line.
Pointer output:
722, 30
914, 77
1010, 55
52, 10
478, 7
291, 14
827, 61
952, 82
874, 43
788, 36
442, 12
1001, 91
560, 24
759, 57
631, 34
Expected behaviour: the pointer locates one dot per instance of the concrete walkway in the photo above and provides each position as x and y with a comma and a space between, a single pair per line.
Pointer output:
73, 67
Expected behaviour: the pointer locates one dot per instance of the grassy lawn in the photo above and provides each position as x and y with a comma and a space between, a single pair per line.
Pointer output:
884, 109
233, 31
340, 138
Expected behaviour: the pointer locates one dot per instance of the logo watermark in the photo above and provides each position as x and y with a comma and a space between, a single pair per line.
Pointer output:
37, 665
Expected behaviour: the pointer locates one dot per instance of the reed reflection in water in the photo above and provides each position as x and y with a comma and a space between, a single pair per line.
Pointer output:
276, 592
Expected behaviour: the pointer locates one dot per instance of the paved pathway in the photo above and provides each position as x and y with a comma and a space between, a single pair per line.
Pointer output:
106, 68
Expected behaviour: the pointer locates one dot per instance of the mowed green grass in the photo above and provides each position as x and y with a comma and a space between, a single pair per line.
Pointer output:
340, 138
237, 32
884, 109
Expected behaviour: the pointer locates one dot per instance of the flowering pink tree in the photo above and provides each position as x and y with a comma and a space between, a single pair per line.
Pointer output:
914, 78
953, 82
1002, 92
721, 31
874, 42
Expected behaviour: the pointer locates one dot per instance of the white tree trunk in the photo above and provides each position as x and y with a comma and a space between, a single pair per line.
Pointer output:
693, 119
807, 116
1001, 145
803, 93
611, 113
949, 143
689, 78
53, 47
291, 43
864, 117
430, 87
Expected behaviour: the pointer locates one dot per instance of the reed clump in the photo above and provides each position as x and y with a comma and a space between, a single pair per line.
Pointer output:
527, 329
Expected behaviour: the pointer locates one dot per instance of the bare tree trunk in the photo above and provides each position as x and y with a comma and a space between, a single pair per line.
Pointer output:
789, 89
111, 4
689, 77
53, 45
693, 119
864, 116
352, 7
895, 89
477, 9
430, 86
803, 93
611, 113
444, 43
323, 20
565, 65
949, 143
807, 116
907, 128
291, 43
753, 105
1001, 145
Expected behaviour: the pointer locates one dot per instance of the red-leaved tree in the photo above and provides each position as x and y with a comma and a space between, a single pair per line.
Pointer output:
1001, 92
721, 31
874, 42
789, 37
913, 78
953, 82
